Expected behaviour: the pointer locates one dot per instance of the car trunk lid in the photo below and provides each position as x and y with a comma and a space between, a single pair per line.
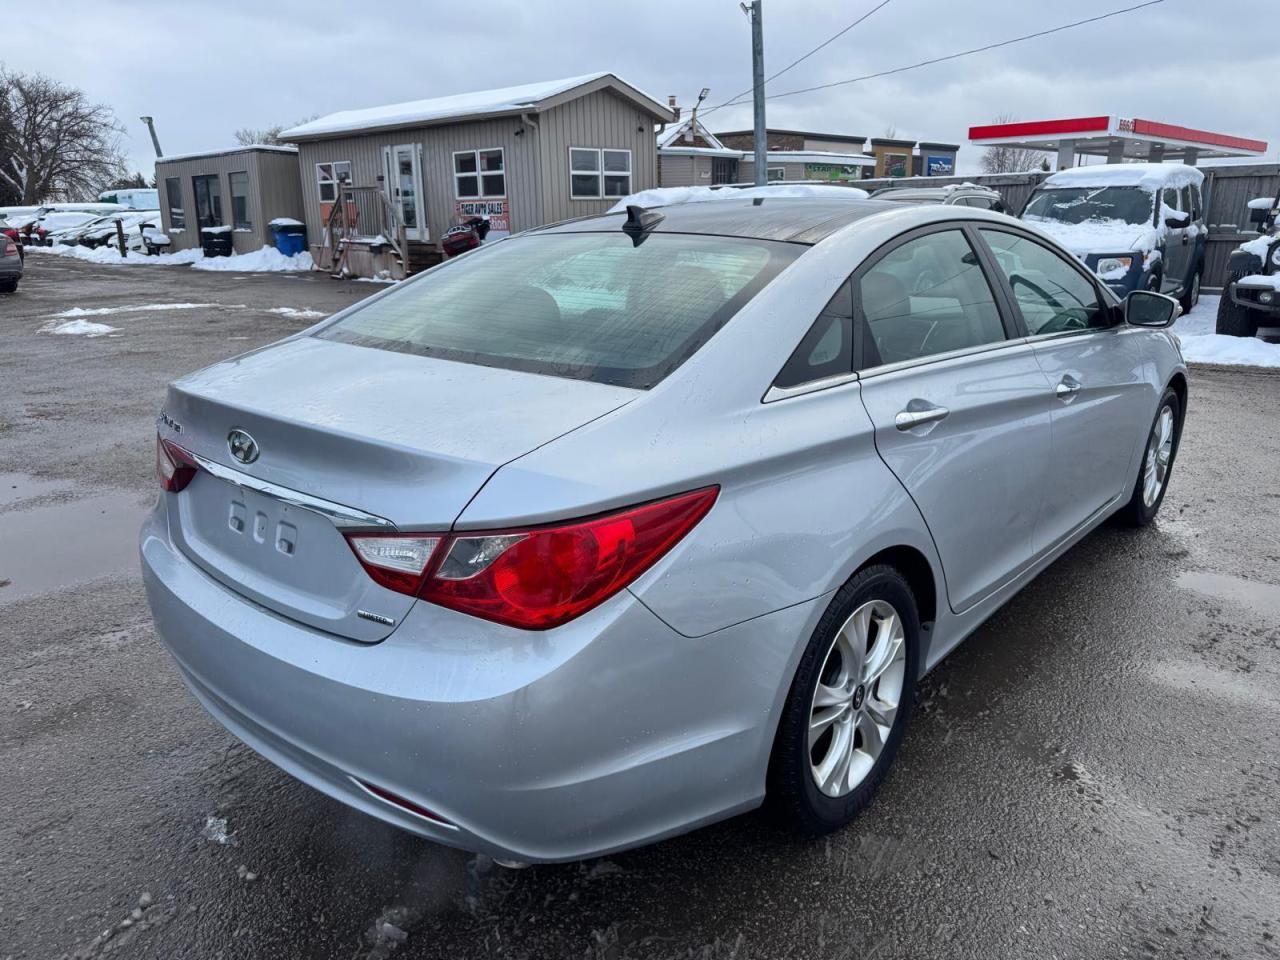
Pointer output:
346, 437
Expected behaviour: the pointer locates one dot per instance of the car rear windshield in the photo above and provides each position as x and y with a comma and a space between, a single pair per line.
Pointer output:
587, 306
1133, 205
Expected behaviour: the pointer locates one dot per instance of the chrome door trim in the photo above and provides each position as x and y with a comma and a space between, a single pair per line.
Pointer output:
813, 386
342, 516
885, 368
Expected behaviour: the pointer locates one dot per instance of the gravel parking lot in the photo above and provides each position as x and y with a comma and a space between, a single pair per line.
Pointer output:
1093, 774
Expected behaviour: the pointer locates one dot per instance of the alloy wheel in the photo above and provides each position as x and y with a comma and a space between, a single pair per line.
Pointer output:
857, 698
1155, 467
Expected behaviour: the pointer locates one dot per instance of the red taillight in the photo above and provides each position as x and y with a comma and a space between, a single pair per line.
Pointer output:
534, 578
10, 249
174, 466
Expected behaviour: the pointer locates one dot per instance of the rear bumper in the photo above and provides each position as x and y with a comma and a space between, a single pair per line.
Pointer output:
609, 732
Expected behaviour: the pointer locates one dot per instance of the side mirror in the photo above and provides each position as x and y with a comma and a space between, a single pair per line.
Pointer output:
1260, 209
1146, 308
1177, 218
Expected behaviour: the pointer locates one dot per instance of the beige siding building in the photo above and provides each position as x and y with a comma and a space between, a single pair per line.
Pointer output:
689, 155
243, 188
521, 156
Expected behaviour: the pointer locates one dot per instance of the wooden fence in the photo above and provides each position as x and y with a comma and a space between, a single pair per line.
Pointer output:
1227, 191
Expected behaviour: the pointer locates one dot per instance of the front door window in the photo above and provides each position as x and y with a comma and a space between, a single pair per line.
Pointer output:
404, 188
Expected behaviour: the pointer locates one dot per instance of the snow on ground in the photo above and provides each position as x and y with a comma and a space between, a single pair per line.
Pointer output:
142, 308
293, 313
665, 196
85, 328
266, 260
1201, 345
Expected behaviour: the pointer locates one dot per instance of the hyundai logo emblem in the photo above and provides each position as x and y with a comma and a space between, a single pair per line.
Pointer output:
243, 447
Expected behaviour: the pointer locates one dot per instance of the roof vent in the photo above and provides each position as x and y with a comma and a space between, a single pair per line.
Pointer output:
640, 221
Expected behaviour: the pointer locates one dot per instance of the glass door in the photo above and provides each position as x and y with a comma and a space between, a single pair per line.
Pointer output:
404, 188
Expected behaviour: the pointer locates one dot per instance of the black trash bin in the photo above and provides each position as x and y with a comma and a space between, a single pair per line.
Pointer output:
216, 241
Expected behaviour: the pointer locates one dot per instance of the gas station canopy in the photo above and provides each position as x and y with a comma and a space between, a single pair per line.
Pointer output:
1115, 138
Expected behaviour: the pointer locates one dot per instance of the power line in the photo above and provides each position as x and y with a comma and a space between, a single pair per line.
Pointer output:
831, 39
950, 56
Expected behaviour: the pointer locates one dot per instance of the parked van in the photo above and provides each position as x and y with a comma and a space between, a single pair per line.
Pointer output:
1139, 226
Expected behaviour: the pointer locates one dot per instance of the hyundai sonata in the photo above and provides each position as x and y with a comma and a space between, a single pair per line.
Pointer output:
629, 524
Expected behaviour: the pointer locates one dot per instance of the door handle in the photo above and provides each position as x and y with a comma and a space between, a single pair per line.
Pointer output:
1067, 388
918, 413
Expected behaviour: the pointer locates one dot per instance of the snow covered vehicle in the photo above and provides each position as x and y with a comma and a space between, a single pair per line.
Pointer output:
1138, 226
1251, 297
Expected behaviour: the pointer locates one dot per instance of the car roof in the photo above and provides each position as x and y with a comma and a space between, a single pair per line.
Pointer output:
790, 219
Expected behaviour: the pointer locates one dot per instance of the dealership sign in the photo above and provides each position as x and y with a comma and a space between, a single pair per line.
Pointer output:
831, 171
498, 212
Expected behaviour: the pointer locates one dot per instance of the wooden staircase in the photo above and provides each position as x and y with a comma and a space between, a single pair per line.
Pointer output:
365, 237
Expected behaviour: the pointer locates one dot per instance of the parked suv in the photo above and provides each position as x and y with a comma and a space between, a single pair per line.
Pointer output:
959, 194
1139, 226
1252, 295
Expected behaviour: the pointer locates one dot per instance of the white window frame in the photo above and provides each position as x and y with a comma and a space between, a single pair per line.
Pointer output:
780, 171
600, 173
335, 180
479, 173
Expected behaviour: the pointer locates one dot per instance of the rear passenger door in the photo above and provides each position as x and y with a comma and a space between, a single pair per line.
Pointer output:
1096, 368
958, 403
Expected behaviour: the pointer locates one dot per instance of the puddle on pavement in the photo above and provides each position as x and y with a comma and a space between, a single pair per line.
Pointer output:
46, 548
1241, 689
16, 487
1262, 598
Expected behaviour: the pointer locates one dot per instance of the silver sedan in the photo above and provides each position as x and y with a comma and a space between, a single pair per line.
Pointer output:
626, 525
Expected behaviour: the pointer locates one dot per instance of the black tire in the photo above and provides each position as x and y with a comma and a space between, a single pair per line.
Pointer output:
1137, 512
1191, 296
9, 286
1233, 319
793, 796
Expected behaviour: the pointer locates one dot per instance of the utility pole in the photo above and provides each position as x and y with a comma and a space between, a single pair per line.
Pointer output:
757, 78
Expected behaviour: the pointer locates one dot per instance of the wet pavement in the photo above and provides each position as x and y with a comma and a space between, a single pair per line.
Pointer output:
1093, 774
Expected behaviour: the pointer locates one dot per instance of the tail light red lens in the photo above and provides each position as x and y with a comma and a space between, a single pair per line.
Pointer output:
10, 249
539, 577
174, 466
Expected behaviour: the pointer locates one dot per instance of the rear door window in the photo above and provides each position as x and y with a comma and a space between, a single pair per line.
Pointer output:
1053, 296
926, 296
588, 306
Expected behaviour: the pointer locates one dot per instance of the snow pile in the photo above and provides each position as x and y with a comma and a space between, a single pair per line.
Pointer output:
110, 255
85, 328
1261, 281
285, 222
266, 260
1200, 344
666, 196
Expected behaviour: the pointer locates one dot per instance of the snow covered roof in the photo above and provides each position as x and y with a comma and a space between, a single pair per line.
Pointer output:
1151, 176
673, 135
526, 98
258, 147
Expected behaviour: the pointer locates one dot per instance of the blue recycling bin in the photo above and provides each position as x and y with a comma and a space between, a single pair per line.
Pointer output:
291, 238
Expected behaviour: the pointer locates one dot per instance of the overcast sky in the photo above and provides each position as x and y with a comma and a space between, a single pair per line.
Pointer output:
205, 69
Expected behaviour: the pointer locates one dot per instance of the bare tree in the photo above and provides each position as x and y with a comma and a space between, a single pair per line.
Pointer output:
55, 143
1004, 158
270, 136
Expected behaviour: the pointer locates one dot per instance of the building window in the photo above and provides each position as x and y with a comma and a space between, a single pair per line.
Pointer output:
479, 174
773, 174
173, 194
240, 201
329, 176
596, 173
208, 190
